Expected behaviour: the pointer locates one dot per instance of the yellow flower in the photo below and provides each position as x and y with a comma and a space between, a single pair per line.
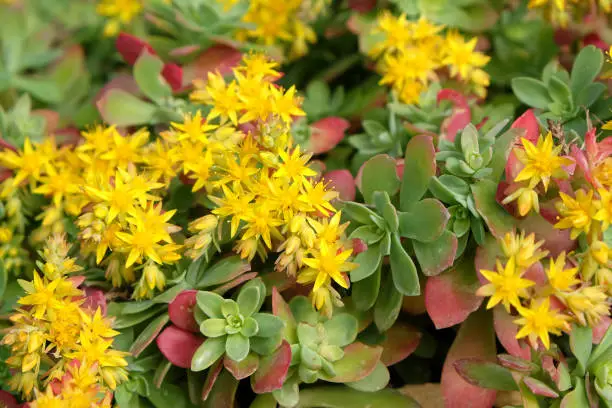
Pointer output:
461, 57
233, 204
29, 164
506, 285
43, 295
97, 325
318, 197
395, 32
588, 304
194, 128
330, 230
576, 213
559, 278
294, 165
119, 12
57, 183
126, 149
261, 222
329, 261
258, 66
140, 242
542, 162
604, 214
602, 173
538, 321
523, 249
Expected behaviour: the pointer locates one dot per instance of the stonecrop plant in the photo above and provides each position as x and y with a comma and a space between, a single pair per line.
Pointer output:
305, 203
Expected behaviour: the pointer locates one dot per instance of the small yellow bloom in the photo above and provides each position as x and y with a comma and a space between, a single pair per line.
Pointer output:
576, 213
542, 162
505, 286
559, 278
329, 261
523, 249
588, 304
527, 200
119, 13
604, 213
538, 321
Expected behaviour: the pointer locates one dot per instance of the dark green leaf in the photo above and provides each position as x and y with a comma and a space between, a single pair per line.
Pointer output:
388, 305
149, 334
586, 67
581, 343
419, 168
367, 262
405, 276
486, 374
383, 205
531, 92
365, 292
425, 222
379, 174
436, 256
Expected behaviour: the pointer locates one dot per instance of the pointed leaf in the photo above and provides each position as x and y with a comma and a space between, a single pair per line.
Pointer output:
474, 339
400, 341
149, 334
581, 343
181, 310
224, 271
178, 345
378, 174
281, 309
435, 257
425, 221
539, 388
358, 362
211, 378
485, 374
208, 353
223, 392
419, 168
272, 370
516, 363
576, 398
404, 271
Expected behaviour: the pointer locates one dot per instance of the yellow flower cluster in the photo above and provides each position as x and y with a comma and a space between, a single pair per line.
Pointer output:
51, 332
261, 186
282, 23
561, 11
541, 163
411, 54
543, 308
119, 13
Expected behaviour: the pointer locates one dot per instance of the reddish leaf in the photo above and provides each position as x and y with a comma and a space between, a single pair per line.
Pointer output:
326, 133
358, 362
180, 311
281, 309
211, 378
121, 81
600, 330
342, 181
242, 369
236, 282
474, 339
539, 388
221, 58
401, 341
461, 116
52, 119
362, 6
272, 370
516, 363
486, 254
506, 333
130, 47
223, 392
555, 240
450, 298
173, 74
178, 345
94, 299
7, 400
595, 40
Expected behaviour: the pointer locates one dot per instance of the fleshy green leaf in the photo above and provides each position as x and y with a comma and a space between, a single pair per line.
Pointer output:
375, 381
388, 305
581, 343
269, 325
209, 352
358, 362
149, 334
361, 214
586, 67
405, 276
223, 271
265, 346
147, 73
242, 369
213, 327
341, 329
383, 204
531, 92
494, 215
419, 168
237, 347
365, 292
379, 174
345, 397
250, 327
302, 309
272, 370
436, 256
281, 309
124, 109
485, 374
560, 92
367, 261
425, 222
210, 303
248, 299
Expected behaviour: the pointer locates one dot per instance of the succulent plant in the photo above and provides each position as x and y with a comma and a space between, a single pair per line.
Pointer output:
419, 221
234, 328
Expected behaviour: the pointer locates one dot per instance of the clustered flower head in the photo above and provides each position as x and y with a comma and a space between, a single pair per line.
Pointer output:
285, 24
562, 12
544, 305
61, 352
411, 55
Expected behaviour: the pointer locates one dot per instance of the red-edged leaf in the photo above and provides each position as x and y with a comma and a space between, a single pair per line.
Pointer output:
121, 81
461, 116
149, 333
236, 282
486, 374
94, 299
223, 392
495, 216
600, 330
506, 333
281, 309
326, 133
221, 58
173, 74
178, 345
539, 388
52, 119
180, 311
211, 378
529, 123
242, 369
474, 339
342, 181
7, 400
555, 240
450, 297
401, 341
516, 363
272, 370
358, 362
130, 47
